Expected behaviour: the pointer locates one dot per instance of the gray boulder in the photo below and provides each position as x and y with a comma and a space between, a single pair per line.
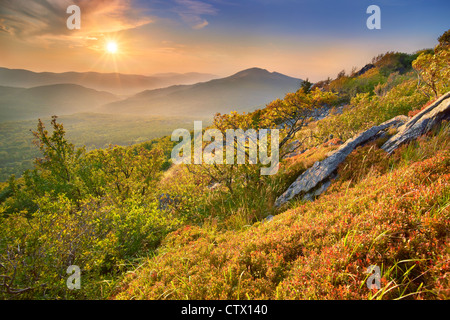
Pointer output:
317, 179
421, 123
321, 172
310, 196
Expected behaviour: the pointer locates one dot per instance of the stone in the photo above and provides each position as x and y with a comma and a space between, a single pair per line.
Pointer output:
317, 179
321, 171
311, 196
366, 68
420, 124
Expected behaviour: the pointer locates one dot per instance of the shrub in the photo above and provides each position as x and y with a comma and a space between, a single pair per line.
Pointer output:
101, 239
322, 249
367, 111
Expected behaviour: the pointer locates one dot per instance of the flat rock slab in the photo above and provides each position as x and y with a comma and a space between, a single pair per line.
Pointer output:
420, 124
322, 170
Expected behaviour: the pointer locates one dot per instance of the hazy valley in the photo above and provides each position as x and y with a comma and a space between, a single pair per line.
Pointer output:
117, 83
98, 118
244, 91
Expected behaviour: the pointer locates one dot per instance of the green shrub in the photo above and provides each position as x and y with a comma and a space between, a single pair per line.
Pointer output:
101, 239
369, 110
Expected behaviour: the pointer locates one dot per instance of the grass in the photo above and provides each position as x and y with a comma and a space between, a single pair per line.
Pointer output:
397, 219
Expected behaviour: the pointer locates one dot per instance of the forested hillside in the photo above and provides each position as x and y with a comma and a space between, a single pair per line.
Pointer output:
92, 130
140, 227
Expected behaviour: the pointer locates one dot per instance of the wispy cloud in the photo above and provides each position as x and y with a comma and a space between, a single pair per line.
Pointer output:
201, 25
192, 12
45, 20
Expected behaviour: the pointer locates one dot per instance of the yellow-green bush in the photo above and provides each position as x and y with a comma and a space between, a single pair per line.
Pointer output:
99, 238
368, 110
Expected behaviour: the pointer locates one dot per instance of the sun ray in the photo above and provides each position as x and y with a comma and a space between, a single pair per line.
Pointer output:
111, 47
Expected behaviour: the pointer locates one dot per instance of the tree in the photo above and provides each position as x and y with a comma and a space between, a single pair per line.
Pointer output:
122, 172
296, 109
341, 74
289, 115
444, 39
306, 86
433, 69
60, 160
119, 172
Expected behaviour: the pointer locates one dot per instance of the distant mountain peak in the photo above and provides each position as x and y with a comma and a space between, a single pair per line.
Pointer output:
259, 73
246, 91
251, 71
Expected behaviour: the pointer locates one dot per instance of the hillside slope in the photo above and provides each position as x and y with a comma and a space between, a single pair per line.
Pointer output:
398, 220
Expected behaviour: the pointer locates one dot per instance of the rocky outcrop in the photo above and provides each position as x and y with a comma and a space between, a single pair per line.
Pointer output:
366, 68
316, 179
421, 123
310, 196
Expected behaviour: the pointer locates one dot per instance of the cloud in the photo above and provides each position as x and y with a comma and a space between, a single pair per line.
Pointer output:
201, 25
196, 7
38, 20
191, 12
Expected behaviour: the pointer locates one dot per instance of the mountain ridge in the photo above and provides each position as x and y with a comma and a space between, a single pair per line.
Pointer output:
242, 91
119, 83
47, 100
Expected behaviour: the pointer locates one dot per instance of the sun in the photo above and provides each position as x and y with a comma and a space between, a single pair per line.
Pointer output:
111, 47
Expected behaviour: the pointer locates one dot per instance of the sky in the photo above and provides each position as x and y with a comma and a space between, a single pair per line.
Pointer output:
313, 39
